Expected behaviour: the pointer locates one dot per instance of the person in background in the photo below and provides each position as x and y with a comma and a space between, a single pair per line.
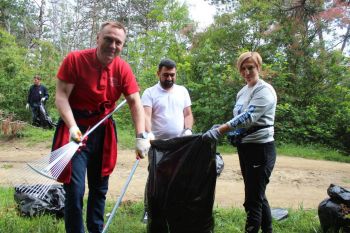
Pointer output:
254, 115
37, 94
89, 82
167, 108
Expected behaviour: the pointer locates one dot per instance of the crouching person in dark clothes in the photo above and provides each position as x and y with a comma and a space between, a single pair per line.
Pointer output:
254, 114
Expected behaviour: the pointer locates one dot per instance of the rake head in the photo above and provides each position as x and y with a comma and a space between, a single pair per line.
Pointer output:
51, 166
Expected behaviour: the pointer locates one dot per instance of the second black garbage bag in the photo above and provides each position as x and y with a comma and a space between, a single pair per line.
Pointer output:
181, 185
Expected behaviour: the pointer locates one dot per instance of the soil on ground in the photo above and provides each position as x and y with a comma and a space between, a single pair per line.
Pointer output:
295, 182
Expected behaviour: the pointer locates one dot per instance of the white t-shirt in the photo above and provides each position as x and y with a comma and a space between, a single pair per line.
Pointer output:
167, 109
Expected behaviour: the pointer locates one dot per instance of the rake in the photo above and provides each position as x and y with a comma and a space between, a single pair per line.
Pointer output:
51, 166
115, 208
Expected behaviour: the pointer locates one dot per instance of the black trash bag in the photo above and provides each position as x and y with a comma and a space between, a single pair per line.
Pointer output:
333, 212
181, 185
41, 117
52, 203
338, 193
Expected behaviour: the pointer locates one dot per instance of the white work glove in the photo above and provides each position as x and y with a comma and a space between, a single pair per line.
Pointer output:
75, 134
150, 136
186, 132
142, 147
212, 135
43, 99
27, 106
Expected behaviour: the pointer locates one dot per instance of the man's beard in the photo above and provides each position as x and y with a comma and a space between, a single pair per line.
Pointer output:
167, 84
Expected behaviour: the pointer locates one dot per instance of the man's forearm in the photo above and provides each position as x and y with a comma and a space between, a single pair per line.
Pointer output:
63, 91
65, 112
188, 122
137, 112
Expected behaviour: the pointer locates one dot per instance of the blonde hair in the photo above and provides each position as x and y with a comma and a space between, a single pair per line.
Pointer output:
255, 56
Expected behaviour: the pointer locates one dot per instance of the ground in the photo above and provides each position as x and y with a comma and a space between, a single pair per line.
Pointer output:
295, 182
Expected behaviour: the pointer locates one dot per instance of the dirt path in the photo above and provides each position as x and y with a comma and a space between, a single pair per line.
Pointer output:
295, 182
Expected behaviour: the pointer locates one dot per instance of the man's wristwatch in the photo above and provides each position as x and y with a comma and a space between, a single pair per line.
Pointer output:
142, 135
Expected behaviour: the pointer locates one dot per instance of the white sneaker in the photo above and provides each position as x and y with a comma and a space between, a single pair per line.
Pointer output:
145, 218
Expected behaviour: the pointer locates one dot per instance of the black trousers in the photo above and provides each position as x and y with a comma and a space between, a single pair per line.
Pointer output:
257, 161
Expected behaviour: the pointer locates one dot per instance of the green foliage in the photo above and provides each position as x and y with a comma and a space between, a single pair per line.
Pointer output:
308, 151
311, 82
166, 40
312, 151
32, 135
316, 108
18, 17
211, 103
11, 64
17, 68
233, 220
299, 221
127, 219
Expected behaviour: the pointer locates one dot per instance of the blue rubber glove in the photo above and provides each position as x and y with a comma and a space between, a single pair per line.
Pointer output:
212, 135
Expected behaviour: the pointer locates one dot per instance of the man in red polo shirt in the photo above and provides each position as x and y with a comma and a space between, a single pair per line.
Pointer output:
89, 82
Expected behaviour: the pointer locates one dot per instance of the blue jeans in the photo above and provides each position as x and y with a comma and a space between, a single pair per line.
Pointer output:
87, 161
257, 162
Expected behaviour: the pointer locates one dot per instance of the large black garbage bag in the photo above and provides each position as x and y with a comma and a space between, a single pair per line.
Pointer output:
52, 203
334, 212
181, 185
338, 193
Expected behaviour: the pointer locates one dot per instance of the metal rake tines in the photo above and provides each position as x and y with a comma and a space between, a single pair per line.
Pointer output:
37, 190
31, 184
49, 167
53, 165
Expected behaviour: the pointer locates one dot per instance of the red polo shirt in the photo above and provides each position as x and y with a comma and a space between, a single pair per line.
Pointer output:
96, 88
94, 84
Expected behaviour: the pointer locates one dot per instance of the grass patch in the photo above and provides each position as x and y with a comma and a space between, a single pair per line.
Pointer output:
31, 135
126, 138
129, 214
11, 221
311, 151
7, 166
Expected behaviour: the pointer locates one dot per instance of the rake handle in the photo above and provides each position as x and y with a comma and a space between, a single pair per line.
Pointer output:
53, 163
114, 211
101, 121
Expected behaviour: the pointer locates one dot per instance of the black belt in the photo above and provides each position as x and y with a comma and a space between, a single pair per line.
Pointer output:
253, 129
78, 114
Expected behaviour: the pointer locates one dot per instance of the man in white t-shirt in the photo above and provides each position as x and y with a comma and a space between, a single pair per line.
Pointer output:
167, 108
167, 105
